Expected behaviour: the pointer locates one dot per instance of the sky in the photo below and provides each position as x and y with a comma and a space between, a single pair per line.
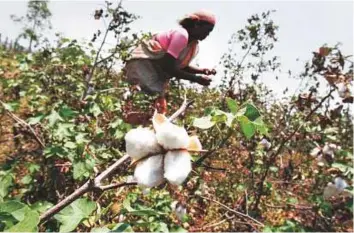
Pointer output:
304, 26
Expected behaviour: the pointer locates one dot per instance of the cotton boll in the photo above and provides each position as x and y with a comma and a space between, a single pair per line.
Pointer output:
177, 166
140, 142
126, 94
340, 183
149, 173
315, 152
265, 143
329, 149
342, 89
171, 136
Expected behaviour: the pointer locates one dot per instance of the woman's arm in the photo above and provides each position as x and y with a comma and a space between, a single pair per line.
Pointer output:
194, 70
169, 65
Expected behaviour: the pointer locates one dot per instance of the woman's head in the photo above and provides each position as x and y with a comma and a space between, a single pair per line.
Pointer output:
198, 24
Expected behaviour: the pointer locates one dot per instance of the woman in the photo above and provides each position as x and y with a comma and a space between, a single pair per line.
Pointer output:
168, 55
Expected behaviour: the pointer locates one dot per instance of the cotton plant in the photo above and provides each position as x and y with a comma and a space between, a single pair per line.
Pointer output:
321, 153
162, 153
336, 189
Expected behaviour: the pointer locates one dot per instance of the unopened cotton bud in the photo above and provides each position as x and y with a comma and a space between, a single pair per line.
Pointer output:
177, 166
149, 173
171, 136
265, 143
140, 142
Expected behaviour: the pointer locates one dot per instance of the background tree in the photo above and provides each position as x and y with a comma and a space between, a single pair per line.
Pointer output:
36, 20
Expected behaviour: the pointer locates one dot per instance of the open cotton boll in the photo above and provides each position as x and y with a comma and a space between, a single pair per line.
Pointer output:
177, 166
140, 142
149, 173
316, 151
329, 149
171, 136
340, 183
265, 143
342, 89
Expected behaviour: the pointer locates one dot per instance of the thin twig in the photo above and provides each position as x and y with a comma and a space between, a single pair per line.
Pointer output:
24, 123
114, 186
232, 210
292, 206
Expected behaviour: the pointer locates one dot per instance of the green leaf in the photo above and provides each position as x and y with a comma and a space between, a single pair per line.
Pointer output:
70, 145
273, 169
11, 106
100, 229
64, 130
71, 216
162, 227
260, 126
292, 200
247, 127
252, 112
267, 229
232, 105
35, 120
83, 169
122, 227
53, 117
41, 206
28, 224
178, 229
95, 109
80, 138
6, 182
67, 112
203, 122
15, 208
343, 168
26, 179
32, 167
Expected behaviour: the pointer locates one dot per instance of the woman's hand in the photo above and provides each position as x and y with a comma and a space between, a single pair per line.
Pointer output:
203, 80
207, 71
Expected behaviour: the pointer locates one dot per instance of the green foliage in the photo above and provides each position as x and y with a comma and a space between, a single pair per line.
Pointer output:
71, 216
72, 98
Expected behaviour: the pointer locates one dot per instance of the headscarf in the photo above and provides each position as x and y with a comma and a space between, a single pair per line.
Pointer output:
203, 15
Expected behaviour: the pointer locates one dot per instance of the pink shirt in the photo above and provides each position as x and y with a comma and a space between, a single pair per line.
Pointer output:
173, 41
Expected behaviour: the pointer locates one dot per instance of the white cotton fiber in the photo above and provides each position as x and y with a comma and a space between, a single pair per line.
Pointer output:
177, 166
340, 183
315, 152
171, 136
140, 142
149, 173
